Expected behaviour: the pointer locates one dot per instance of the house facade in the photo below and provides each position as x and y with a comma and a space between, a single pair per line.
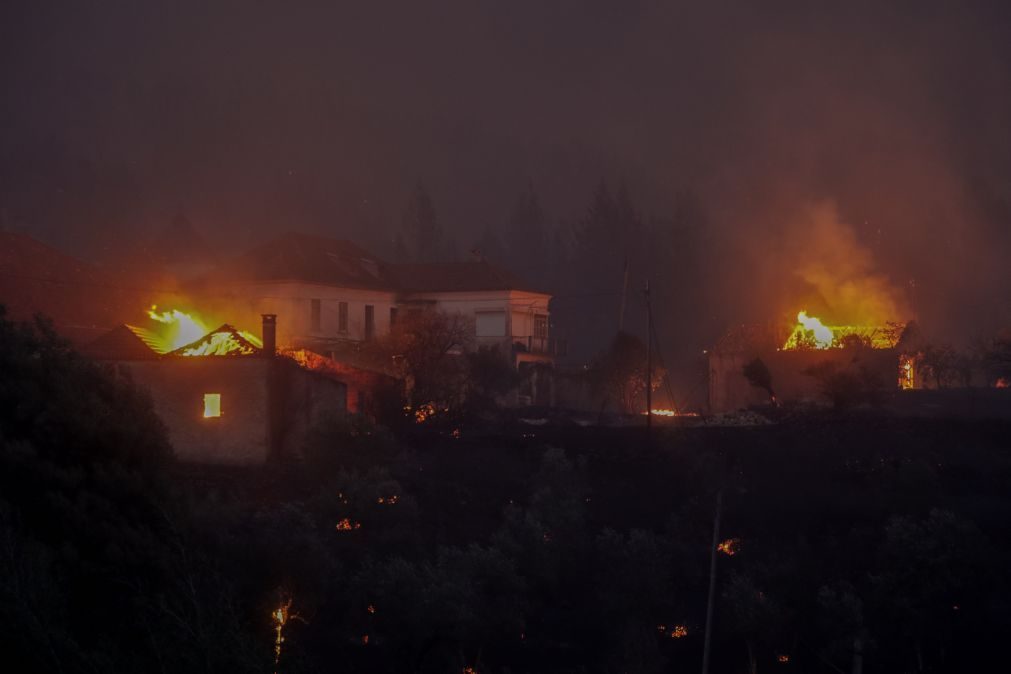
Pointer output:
332, 294
241, 406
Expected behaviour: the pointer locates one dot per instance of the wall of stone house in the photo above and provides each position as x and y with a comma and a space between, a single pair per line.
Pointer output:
268, 406
177, 387
729, 390
302, 400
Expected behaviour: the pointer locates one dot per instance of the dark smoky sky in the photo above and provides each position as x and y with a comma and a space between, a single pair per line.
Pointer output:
252, 117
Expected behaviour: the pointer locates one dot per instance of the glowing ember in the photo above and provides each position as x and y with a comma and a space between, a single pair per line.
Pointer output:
783, 658
281, 616
347, 525
730, 547
371, 608
679, 632
425, 412
388, 500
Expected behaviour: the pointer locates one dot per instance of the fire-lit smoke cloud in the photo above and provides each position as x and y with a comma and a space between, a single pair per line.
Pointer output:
841, 273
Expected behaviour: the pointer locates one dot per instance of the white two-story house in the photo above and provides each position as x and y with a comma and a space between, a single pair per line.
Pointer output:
328, 293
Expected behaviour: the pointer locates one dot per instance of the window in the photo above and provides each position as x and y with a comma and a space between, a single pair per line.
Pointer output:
491, 324
393, 316
540, 326
370, 322
315, 318
212, 405
342, 317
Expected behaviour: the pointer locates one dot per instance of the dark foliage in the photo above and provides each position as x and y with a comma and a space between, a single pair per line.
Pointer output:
758, 375
578, 550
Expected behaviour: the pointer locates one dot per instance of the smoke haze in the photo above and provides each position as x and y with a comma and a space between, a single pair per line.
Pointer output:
251, 118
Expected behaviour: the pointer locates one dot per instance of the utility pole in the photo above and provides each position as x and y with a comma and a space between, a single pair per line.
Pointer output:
649, 363
711, 601
624, 292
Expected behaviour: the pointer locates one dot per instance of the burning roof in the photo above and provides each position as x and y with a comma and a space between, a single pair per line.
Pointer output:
224, 341
127, 342
810, 333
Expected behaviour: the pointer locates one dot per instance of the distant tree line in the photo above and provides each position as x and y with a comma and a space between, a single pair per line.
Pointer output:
585, 262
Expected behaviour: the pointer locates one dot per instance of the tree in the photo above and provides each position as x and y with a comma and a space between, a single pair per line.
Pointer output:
619, 373
525, 236
996, 359
490, 375
429, 347
928, 568
758, 375
939, 362
422, 231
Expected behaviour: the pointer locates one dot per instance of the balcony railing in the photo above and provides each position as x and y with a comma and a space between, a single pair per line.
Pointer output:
540, 345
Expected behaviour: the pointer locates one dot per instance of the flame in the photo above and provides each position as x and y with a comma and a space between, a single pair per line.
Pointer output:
907, 372
281, 615
812, 333
810, 330
220, 343
181, 328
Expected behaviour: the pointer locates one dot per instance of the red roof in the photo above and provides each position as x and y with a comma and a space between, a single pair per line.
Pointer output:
309, 258
335, 262
456, 277
123, 342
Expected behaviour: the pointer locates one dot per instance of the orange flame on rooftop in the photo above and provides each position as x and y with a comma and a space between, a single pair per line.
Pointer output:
180, 328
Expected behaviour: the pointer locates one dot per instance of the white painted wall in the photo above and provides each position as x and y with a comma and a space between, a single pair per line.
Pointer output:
292, 302
518, 306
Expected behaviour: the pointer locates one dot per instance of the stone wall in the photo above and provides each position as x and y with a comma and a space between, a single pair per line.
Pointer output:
267, 405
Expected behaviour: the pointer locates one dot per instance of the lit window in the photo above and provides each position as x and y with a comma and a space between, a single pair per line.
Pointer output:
212, 405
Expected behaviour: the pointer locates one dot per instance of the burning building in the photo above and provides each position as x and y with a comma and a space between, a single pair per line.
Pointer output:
792, 358
336, 296
226, 397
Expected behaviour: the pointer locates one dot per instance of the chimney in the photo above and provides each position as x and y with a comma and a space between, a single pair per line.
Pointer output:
269, 334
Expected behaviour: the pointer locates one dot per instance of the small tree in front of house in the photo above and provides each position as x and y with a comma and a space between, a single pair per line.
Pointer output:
490, 375
428, 347
939, 363
619, 373
758, 375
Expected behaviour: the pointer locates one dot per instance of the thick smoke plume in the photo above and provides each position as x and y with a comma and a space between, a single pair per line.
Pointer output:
842, 273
